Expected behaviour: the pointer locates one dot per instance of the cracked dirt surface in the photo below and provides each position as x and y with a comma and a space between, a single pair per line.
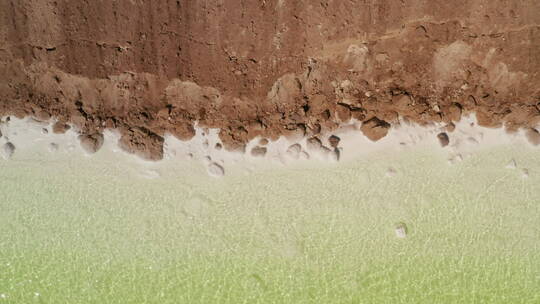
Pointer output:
268, 68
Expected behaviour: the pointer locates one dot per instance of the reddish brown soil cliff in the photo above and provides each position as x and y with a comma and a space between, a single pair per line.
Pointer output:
267, 67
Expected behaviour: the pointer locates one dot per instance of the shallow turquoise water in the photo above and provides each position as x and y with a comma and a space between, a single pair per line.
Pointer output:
89, 230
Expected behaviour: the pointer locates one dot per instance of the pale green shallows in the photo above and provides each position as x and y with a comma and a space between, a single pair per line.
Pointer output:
88, 230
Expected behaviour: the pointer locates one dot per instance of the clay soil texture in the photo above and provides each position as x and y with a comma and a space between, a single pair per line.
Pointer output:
267, 68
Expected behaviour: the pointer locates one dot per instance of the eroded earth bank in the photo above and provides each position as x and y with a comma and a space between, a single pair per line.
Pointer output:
267, 67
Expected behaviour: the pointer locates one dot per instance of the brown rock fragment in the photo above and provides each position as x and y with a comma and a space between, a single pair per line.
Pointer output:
375, 129
258, 151
533, 136
294, 151
60, 128
334, 141
443, 139
42, 115
142, 143
314, 143
91, 143
343, 113
487, 120
454, 112
7, 150
183, 131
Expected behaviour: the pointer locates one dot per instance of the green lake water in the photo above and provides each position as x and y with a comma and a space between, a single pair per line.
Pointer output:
91, 230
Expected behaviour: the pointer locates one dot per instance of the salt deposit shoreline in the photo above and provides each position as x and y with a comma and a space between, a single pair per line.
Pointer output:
344, 144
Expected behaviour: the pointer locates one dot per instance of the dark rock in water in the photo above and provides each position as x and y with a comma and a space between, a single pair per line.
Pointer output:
53, 147
533, 136
375, 129
215, 170
60, 128
401, 230
258, 151
443, 139
7, 150
91, 143
314, 143
294, 151
335, 154
334, 141
263, 142
143, 143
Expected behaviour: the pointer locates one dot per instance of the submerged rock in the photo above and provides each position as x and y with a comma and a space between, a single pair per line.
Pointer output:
511, 165
53, 147
294, 151
60, 128
7, 150
401, 230
258, 151
375, 129
91, 143
216, 170
334, 141
314, 144
533, 136
263, 142
391, 172
443, 139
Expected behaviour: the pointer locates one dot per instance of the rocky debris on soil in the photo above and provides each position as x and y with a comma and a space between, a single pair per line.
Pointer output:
7, 150
258, 151
91, 143
215, 170
443, 139
334, 141
60, 128
263, 142
375, 129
